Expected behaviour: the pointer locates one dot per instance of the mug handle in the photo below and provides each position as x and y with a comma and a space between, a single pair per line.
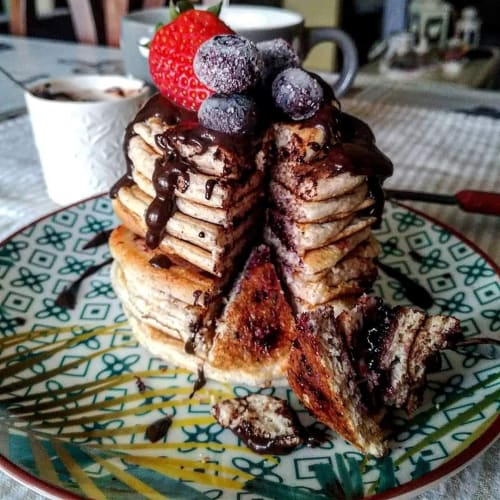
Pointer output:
313, 36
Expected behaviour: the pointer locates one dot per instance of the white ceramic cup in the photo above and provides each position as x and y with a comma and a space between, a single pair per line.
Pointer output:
80, 142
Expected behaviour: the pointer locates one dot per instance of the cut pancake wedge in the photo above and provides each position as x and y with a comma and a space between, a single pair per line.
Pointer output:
254, 334
322, 376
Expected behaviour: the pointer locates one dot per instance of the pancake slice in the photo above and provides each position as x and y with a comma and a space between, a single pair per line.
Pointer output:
322, 376
254, 335
315, 181
305, 237
320, 259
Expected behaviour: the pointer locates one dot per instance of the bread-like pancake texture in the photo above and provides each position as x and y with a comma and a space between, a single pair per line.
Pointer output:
317, 211
169, 315
172, 350
303, 238
181, 280
352, 279
323, 378
320, 259
204, 189
211, 237
212, 158
257, 327
217, 262
315, 181
307, 140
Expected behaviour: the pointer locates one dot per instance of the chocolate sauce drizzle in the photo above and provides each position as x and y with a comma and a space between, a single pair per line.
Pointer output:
98, 240
165, 180
172, 171
209, 188
414, 292
158, 429
196, 296
67, 298
190, 344
199, 382
160, 262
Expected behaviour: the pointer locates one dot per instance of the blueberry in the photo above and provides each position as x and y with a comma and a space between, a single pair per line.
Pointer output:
297, 93
228, 64
232, 114
277, 55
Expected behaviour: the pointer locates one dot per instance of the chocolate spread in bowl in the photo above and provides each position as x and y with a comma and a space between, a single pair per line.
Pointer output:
46, 91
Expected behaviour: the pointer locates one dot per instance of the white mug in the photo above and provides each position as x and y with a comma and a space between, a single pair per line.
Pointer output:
80, 142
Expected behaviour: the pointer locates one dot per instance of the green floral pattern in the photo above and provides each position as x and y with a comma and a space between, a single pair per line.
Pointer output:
77, 393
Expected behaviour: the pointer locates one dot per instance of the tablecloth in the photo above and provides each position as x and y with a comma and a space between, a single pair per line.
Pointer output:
432, 150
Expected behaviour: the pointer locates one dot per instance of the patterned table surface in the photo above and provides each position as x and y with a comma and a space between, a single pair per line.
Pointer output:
433, 150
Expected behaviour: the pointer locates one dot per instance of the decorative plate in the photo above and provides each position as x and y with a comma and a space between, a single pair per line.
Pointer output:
77, 393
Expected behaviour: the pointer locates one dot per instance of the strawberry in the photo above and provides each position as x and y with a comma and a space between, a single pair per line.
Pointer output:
171, 55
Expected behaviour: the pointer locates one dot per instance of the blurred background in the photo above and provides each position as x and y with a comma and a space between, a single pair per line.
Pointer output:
371, 23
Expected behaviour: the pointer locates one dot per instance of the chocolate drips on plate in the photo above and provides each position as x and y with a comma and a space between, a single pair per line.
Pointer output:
99, 239
67, 298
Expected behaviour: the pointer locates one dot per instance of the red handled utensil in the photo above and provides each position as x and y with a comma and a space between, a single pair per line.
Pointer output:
479, 202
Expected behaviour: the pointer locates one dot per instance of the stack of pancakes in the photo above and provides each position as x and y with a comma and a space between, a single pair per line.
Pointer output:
192, 204
323, 204
189, 205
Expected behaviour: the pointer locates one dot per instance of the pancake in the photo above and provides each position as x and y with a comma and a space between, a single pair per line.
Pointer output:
360, 258
320, 259
307, 140
316, 211
204, 189
217, 158
223, 217
322, 376
211, 237
254, 335
304, 237
315, 181
181, 280
218, 262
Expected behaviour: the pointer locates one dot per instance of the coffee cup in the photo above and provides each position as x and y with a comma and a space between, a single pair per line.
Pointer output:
257, 23
78, 125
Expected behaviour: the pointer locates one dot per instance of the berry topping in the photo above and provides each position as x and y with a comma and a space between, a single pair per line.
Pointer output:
228, 63
171, 55
233, 114
297, 93
277, 55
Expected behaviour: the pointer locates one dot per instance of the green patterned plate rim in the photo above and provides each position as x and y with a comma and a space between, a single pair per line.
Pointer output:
77, 393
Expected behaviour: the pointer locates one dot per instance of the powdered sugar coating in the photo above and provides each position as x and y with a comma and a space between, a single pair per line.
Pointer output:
228, 64
277, 55
233, 114
297, 93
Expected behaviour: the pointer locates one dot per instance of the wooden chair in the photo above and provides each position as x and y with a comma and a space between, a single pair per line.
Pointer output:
85, 18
